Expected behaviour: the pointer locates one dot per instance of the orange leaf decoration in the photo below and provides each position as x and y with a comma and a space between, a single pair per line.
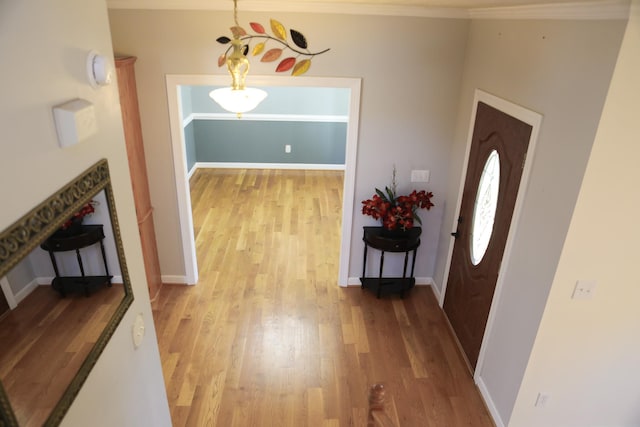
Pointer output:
285, 65
271, 55
238, 32
301, 67
257, 27
222, 59
278, 30
257, 49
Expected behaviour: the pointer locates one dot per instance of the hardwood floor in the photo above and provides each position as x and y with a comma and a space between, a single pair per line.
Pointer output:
267, 338
43, 343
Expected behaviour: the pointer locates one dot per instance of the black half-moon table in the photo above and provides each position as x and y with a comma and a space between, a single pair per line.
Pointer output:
380, 239
88, 235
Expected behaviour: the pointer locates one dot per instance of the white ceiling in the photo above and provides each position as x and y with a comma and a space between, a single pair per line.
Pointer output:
549, 9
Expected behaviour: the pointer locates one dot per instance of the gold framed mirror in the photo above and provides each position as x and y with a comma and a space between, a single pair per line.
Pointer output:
30, 394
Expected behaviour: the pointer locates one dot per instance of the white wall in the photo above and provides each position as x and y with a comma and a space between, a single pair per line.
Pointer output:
560, 69
43, 46
587, 351
20, 276
410, 70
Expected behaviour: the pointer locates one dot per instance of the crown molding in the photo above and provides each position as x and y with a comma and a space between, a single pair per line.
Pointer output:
585, 10
284, 6
601, 10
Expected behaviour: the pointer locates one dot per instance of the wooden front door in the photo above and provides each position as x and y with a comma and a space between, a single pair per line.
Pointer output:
496, 160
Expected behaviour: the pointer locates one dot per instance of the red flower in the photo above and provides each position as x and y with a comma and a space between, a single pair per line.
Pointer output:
397, 212
87, 209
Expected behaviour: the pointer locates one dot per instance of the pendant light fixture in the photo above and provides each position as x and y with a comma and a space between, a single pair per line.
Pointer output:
237, 98
240, 99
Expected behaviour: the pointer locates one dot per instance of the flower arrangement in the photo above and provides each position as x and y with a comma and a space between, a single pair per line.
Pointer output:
397, 212
77, 217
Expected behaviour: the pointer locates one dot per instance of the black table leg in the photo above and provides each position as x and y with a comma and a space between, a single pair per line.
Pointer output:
104, 259
380, 274
364, 266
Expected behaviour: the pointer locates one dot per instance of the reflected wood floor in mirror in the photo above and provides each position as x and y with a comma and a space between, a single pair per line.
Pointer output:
44, 341
267, 338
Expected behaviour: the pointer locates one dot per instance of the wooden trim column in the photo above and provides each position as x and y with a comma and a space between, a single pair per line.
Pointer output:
138, 170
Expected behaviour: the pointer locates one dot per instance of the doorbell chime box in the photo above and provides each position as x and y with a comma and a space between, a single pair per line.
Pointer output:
75, 121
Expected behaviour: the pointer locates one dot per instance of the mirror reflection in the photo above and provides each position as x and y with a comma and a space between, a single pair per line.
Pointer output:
59, 304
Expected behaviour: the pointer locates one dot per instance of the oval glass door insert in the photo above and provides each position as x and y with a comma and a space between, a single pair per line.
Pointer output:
484, 210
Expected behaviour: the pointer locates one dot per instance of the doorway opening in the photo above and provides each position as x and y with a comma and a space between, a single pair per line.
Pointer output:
181, 169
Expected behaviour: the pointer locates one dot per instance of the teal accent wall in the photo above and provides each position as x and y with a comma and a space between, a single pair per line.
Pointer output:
190, 146
264, 141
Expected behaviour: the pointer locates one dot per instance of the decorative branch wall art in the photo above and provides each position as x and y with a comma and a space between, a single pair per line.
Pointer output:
273, 47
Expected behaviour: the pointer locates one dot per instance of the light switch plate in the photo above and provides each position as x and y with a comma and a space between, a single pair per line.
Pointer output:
419, 176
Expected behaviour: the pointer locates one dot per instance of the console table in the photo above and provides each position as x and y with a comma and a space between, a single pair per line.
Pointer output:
377, 238
89, 235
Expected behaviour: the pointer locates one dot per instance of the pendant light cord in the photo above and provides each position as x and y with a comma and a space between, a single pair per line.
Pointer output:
235, 12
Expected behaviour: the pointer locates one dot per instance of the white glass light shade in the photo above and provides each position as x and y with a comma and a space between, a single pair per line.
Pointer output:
238, 100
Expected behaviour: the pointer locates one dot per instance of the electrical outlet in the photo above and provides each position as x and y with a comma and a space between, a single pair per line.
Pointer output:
584, 289
287, 148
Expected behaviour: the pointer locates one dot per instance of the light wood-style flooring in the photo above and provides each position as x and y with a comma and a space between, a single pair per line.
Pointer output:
267, 338
43, 343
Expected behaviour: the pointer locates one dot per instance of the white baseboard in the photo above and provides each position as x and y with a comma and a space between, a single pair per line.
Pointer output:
240, 165
8, 293
484, 392
353, 281
420, 281
30, 287
424, 281
436, 292
192, 171
44, 281
48, 280
174, 280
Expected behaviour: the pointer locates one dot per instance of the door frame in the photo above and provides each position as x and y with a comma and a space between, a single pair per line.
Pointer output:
534, 120
174, 81
5, 288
